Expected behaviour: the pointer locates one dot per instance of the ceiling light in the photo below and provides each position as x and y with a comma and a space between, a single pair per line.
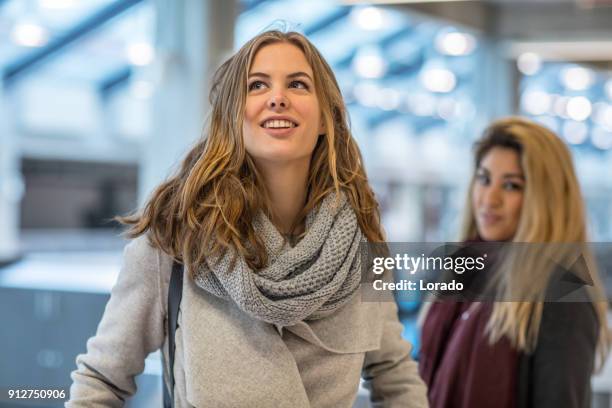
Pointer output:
559, 106
536, 102
529, 63
579, 108
368, 18
577, 78
140, 53
369, 63
455, 43
29, 34
439, 80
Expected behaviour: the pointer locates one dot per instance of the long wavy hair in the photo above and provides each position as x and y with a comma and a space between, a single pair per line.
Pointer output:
209, 205
552, 212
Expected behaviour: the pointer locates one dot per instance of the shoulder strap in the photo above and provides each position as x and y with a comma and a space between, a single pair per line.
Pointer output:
175, 293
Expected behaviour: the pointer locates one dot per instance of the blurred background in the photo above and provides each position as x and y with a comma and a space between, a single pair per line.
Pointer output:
99, 99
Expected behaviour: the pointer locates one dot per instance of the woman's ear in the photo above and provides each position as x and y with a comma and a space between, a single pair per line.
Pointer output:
322, 128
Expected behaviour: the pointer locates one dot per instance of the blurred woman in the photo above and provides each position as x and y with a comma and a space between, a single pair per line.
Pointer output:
519, 351
266, 214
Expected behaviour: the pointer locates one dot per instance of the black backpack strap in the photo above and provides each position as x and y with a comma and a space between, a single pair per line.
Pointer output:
175, 293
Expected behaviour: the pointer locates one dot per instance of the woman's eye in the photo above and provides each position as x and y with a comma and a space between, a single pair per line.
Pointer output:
255, 85
482, 179
298, 84
512, 186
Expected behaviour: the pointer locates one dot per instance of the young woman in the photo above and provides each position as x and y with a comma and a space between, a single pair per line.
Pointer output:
267, 214
523, 353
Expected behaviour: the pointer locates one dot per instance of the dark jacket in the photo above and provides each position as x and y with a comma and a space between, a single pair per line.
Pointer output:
558, 372
464, 371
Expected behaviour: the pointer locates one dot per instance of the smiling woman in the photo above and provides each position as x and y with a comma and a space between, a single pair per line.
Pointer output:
282, 124
497, 193
514, 352
282, 120
267, 215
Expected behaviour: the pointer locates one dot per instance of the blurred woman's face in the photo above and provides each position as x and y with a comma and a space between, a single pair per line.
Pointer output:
282, 118
497, 194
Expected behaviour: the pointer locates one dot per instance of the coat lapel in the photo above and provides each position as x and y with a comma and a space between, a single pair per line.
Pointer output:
233, 360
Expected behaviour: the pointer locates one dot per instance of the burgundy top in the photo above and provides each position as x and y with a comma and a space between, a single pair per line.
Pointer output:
457, 363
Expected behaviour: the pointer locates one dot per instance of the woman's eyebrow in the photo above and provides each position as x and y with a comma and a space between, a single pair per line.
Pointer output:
292, 75
259, 74
505, 175
514, 175
299, 74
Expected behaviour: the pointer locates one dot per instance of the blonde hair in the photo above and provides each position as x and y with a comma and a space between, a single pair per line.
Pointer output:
209, 206
552, 212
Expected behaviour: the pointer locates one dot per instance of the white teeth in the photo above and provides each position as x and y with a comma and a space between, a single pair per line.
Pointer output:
278, 124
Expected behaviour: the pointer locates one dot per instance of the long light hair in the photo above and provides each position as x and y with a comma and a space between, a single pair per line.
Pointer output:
209, 206
552, 212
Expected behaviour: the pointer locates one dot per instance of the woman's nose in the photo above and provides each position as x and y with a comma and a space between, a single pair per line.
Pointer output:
492, 197
278, 101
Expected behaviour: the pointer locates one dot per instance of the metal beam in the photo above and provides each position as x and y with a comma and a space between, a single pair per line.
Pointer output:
554, 22
114, 81
327, 21
20, 66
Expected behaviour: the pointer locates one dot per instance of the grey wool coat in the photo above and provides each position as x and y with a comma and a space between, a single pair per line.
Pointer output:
225, 358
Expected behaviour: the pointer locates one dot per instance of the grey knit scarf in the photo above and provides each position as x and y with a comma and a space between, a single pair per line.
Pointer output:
307, 282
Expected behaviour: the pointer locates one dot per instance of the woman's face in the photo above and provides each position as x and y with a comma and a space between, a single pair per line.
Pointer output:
497, 194
282, 118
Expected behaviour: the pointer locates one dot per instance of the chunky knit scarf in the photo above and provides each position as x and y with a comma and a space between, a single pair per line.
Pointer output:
307, 282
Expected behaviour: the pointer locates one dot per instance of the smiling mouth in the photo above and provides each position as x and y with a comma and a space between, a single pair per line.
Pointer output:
278, 124
490, 218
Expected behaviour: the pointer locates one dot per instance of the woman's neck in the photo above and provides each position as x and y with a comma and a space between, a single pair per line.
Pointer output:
286, 185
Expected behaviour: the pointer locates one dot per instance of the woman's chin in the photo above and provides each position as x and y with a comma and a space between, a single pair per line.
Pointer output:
281, 157
494, 234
